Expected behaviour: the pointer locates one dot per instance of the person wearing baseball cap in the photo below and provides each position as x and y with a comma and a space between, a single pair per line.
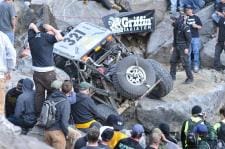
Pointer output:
195, 25
197, 117
117, 123
84, 111
133, 141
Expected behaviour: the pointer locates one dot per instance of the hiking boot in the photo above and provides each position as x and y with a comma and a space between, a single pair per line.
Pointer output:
188, 81
8, 127
195, 69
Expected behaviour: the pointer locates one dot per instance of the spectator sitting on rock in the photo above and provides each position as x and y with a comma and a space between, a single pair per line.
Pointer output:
166, 131
106, 136
24, 115
67, 89
84, 111
11, 97
220, 45
133, 141
219, 11
92, 137
117, 123
195, 4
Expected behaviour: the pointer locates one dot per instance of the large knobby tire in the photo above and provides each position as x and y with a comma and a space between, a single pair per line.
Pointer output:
166, 84
132, 77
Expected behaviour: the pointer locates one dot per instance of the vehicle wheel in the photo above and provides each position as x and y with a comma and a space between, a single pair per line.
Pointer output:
132, 76
105, 110
166, 84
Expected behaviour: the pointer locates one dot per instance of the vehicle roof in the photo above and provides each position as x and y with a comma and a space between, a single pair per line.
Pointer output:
81, 40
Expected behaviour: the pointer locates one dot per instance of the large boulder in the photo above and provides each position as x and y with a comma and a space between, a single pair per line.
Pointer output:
207, 54
208, 91
160, 7
161, 39
20, 142
69, 12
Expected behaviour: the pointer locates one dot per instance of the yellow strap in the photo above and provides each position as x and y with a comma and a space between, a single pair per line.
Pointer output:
85, 125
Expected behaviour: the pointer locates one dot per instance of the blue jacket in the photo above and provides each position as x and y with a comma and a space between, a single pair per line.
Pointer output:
62, 112
25, 103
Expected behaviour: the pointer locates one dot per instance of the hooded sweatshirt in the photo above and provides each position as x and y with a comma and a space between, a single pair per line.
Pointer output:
85, 110
25, 103
7, 54
62, 112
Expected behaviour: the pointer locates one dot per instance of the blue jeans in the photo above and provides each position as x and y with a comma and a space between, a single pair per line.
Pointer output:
173, 6
194, 52
196, 4
215, 17
19, 122
11, 36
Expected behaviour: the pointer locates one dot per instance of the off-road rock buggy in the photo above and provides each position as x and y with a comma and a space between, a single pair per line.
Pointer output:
91, 53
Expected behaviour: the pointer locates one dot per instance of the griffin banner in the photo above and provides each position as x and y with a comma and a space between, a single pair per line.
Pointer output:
130, 22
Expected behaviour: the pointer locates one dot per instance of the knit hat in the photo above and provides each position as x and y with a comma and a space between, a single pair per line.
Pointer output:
107, 134
201, 129
19, 85
84, 85
164, 128
115, 121
56, 84
196, 110
137, 129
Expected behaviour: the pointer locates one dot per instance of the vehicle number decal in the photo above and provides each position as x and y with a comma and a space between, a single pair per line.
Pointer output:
74, 37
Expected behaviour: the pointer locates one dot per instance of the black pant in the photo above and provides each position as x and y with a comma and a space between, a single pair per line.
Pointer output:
179, 55
42, 81
218, 50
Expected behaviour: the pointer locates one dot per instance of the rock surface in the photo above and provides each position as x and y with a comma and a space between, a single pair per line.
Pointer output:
160, 42
207, 54
208, 91
20, 142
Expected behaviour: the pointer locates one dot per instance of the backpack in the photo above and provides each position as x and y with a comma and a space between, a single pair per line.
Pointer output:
48, 113
192, 139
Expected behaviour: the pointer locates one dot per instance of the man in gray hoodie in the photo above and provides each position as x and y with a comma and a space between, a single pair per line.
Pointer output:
24, 115
7, 64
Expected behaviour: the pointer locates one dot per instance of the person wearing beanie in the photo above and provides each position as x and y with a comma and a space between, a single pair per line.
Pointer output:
133, 141
165, 128
57, 133
10, 98
84, 111
196, 118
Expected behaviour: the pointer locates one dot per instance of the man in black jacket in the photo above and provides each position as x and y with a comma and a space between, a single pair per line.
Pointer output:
84, 111
56, 135
41, 41
11, 97
180, 49
220, 46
